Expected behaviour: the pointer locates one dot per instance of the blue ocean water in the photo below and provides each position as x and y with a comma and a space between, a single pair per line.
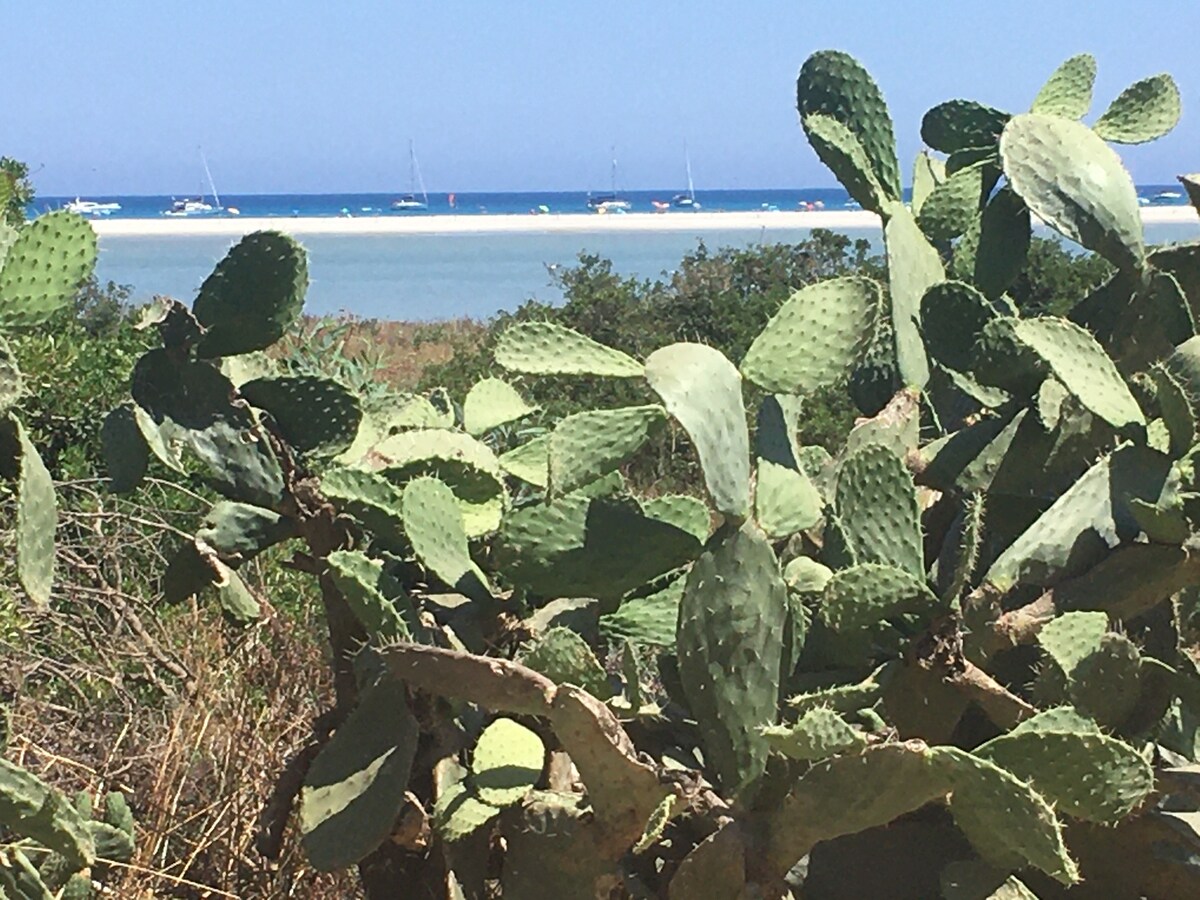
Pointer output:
429, 277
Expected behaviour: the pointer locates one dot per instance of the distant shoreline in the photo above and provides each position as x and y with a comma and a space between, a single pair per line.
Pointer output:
568, 223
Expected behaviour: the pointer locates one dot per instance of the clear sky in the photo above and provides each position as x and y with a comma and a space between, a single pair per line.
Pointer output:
320, 96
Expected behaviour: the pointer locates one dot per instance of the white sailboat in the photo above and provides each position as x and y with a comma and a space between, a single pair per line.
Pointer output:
91, 207
610, 202
688, 200
409, 202
197, 206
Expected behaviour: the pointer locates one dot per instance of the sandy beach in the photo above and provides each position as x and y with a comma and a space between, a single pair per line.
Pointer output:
540, 224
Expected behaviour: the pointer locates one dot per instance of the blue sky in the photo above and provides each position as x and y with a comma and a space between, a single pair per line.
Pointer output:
312, 96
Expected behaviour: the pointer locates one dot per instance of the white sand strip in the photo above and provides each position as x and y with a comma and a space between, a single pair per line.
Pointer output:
540, 224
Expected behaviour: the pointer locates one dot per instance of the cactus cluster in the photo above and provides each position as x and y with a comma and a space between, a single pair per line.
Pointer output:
963, 626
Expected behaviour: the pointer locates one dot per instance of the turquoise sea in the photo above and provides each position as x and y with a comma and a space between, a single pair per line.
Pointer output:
428, 277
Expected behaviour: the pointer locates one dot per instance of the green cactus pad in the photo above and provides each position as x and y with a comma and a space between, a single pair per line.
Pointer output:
1008, 823
126, 454
928, 173
848, 794
818, 336
1072, 637
730, 645
703, 391
12, 383
820, 734
955, 203
1002, 246
1042, 158
833, 83
685, 513
914, 266
1083, 367
1087, 776
646, 621
961, 125
861, 596
1085, 522
236, 599
953, 315
253, 296
1068, 92
878, 511
44, 267
37, 510
315, 415
467, 466
1107, 684
1146, 110
31, 808
579, 546
377, 600
529, 461
459, 813
117, 812
240, 531
372, 500
565, 658
434, 524
785, 500
839, 148
586, 445
355, 787
507, 763
491, 403
543, 348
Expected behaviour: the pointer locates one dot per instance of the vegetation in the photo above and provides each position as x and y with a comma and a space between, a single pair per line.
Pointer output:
633, 621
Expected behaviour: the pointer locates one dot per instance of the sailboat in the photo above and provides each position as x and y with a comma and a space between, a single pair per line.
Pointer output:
610, 202
688, 200
409, 202
197, 206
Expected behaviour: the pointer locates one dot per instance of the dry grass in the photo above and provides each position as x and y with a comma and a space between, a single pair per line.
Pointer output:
190, 717
397, 353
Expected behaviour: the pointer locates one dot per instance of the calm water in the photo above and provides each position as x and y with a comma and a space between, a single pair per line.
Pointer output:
441, 276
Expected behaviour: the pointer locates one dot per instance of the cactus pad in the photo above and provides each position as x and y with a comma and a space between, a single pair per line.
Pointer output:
1068, 92
565, 658
878, 511
543, 348
954, 204
730, 646
588, 444
818, 336
646, 621
37, 510
1144, 111
1088, 776
820, 734
315, 414
913, 267
507, 763
862, 596
961, 125
375, 598
44, 267
355, 787
372, 500
833, 83
703, 391
32, 808
529, 461
434, 524
953, 315
839, 148
785, 500
928, 173
1042, 159
126, 454
491, 403
1083, 367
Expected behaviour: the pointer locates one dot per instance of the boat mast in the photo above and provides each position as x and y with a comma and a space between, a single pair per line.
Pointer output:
687, 161
614, 170
414, 174
211, 185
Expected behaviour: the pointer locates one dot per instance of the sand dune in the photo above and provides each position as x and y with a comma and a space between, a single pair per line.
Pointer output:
512, 224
